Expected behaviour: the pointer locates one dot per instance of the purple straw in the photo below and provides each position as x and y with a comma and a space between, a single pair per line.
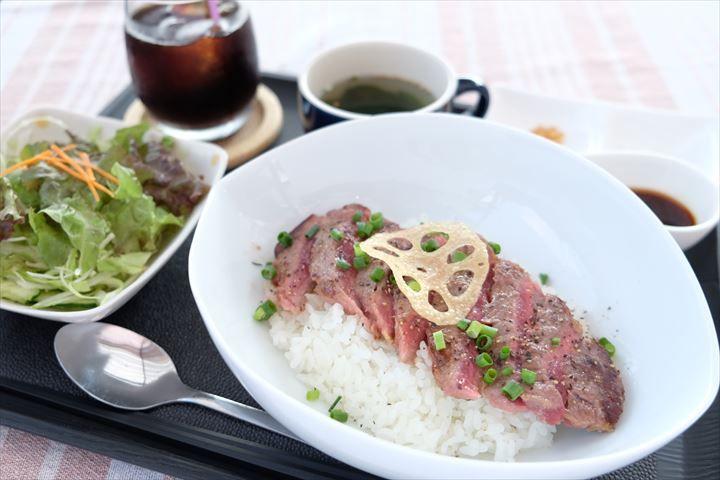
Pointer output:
214, 12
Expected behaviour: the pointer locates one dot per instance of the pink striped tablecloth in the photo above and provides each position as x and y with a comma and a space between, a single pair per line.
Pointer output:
71, 54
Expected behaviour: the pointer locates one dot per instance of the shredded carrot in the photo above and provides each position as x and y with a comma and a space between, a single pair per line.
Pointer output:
105, 174
102, 172
82, 170
90, 182
71, 162
103, 188
23, 164
90, 174
55, 162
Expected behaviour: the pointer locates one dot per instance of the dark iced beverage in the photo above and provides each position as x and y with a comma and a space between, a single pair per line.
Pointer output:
195, 72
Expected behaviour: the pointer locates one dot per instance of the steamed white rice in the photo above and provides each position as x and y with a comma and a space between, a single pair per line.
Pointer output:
390, 399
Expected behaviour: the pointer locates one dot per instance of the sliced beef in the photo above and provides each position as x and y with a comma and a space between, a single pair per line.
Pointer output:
454, 366
477, 312
595, 392
333, 284
293, 268
576, 383
579, 371
410, 327
376, 298
513, 296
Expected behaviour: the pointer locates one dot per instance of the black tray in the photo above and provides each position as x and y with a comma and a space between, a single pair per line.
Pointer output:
194, 443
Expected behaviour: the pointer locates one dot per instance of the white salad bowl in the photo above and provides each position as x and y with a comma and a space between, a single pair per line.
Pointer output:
203, 159
552, 210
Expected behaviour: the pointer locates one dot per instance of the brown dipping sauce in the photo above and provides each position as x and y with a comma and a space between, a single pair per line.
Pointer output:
667, 209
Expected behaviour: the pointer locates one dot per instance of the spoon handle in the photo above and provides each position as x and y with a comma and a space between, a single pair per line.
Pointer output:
240, 411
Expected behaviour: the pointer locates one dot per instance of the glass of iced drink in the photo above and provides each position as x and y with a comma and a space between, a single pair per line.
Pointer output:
193, 64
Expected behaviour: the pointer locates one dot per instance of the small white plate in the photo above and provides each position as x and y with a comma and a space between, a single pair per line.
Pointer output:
202, 159
552, 210
597, 127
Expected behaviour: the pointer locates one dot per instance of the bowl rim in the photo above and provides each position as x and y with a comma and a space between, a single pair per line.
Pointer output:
305, 91
158, 259
264, 391
697, 175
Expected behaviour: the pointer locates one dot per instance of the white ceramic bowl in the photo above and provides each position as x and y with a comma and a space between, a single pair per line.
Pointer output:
552, 210
199, 158
671, 176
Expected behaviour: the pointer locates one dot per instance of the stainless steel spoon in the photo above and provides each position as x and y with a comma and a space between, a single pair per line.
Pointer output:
126, 370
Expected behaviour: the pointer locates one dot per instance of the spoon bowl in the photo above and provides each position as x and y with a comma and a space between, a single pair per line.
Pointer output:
118, 367
126, 370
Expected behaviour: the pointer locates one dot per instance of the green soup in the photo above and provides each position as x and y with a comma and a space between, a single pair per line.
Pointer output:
373, 95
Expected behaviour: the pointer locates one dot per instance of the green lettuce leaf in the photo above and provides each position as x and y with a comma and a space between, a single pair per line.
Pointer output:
123, 136
10, 205
84, 227
128, 263
32, 149
129, 187
52, 243
134, 218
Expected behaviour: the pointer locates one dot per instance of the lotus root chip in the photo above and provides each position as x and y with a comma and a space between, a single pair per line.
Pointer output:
433, 270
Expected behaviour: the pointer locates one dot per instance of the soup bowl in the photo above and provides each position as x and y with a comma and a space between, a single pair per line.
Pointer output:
380, 59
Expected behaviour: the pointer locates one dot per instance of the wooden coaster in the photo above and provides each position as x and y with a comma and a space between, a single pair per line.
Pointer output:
259, 132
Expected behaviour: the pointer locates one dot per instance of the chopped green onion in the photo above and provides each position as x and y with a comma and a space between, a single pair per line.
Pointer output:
555, 341
391, 277
439, 339
495, 247
607, 345
360, 262
484, 342
334, 404
474, 329
336, 234
504, 352
414, 285
357, 216
312, 395
430, 246
528, 376
506, 372
513, 390
365, 229
268, 272
463, 324
377, 275
377, 221
490, 376
264, 311
544, 278
483, 360
342, 264
339, 415
458, 257
284, 239
488, 330
362, 259
313, 230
